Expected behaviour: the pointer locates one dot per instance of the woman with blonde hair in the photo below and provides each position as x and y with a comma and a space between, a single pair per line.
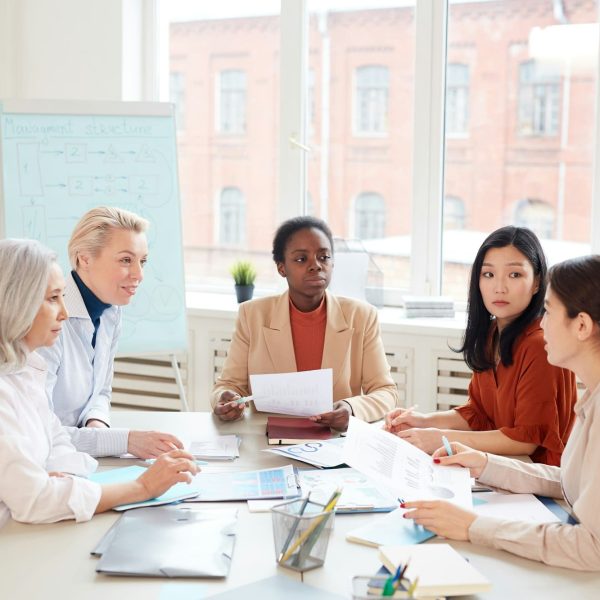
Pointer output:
37, 460
107, 252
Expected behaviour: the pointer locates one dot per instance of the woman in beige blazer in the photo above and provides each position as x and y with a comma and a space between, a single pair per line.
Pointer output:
264, 341
571, 327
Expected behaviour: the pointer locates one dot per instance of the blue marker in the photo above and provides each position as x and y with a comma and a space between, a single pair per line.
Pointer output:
447, 445
244, 399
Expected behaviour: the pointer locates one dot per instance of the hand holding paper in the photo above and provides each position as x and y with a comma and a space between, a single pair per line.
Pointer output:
301, 394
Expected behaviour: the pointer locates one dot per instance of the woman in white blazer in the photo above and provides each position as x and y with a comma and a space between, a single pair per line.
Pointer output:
38, 463
107, 251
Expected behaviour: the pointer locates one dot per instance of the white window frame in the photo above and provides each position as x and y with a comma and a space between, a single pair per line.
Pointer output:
428, 124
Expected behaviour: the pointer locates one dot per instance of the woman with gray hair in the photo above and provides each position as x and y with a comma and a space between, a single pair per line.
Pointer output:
107, 251
37, 460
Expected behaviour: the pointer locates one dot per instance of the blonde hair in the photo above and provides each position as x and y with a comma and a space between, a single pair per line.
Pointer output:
94, 229
24, 272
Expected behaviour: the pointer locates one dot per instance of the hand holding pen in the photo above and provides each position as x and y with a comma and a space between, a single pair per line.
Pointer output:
460, 455
231, 405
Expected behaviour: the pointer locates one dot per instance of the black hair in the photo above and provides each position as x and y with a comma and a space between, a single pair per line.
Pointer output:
576, 282
288, 228
475, 346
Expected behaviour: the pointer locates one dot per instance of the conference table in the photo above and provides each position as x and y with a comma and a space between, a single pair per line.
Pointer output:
54, 561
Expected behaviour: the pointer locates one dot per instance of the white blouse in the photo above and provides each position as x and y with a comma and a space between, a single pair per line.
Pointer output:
33, 443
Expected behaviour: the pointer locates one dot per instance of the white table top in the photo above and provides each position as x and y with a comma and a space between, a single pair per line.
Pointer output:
52, 561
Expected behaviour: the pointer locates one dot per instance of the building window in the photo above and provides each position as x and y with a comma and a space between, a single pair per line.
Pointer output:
537, 215
369, 216
454, 213
232, 213
310, 205
177, 97
371, 100
539, 87
457, 99
311, 107
232, 102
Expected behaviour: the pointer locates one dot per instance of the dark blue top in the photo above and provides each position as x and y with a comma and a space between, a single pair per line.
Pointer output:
94, 305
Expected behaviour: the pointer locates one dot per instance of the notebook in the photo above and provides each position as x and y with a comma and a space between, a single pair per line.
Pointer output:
171, 541
390, 529
441, 570
295, 430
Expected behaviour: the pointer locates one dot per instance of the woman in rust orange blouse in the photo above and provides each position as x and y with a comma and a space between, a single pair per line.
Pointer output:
518, 403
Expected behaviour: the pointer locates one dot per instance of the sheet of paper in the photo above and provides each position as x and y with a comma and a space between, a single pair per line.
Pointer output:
279, 482
516, 507
406, 470
302, 394
359, 492
223, 447
327, 453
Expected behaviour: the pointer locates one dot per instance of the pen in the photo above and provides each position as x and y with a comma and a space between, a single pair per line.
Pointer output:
243, 399
447, 445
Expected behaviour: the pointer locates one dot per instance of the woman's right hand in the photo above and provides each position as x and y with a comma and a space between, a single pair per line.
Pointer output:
168, 469
227, 408
462, 456
400, 419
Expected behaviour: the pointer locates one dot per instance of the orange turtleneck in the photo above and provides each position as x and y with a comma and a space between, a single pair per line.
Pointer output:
308, 335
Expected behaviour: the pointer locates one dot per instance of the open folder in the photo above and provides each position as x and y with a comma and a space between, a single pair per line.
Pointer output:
171, 541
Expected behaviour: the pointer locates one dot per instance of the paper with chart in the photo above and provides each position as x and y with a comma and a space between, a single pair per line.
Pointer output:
322, 454
402, 467
302, 394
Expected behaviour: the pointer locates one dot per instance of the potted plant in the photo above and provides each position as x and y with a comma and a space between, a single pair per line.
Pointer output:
244, 274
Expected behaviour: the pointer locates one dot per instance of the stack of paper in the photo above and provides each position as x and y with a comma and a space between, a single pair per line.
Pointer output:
222, 447
428, 306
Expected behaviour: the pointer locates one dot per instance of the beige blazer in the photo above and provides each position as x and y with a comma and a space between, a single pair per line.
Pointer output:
262, 343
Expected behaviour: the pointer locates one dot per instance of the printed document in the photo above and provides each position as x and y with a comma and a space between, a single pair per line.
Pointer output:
302, 394
402, 467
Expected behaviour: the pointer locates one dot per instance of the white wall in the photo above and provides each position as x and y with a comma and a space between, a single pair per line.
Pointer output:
72, 49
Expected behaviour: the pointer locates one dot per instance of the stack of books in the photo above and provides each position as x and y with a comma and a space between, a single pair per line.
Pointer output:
428, 306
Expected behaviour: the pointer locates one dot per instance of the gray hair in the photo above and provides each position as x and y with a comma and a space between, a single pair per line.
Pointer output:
94, 229
24, 271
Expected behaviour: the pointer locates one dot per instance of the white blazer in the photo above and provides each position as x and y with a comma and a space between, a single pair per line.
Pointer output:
79, 380
33, 442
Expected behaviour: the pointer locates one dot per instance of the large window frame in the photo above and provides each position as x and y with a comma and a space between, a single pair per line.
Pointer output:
428, 123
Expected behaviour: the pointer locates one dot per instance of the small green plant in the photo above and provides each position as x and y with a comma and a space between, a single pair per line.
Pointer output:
243, 272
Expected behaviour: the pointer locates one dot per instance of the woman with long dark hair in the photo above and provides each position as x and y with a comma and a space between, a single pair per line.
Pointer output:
518, 403
571, 327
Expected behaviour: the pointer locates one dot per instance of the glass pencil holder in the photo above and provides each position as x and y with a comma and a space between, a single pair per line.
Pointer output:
301, 530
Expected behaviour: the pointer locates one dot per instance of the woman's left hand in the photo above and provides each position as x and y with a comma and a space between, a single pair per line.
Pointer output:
428, 439
338, 418
441, 517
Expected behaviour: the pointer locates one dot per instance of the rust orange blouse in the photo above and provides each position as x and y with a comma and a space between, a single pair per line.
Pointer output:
528, 401
308, 335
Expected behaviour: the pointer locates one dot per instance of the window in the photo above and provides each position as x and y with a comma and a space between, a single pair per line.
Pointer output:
369, 217
457, 99
454, 213
521, 164
177, 97
539, 87
232, 217
537, 215
371, 109
232, 102
311, 108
